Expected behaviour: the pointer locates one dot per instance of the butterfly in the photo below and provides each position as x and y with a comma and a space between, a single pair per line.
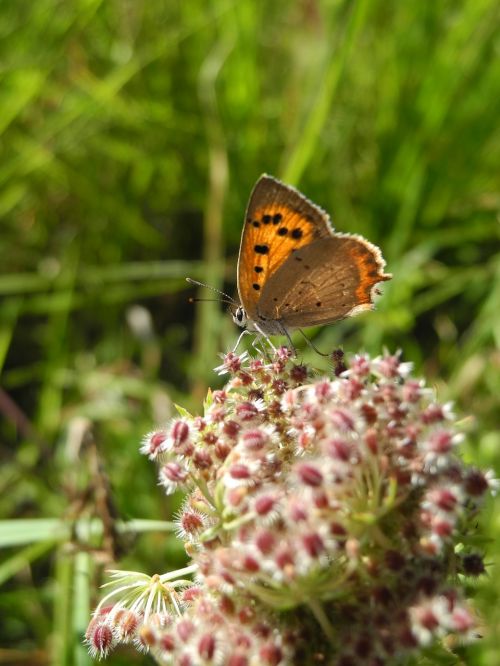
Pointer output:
294, 270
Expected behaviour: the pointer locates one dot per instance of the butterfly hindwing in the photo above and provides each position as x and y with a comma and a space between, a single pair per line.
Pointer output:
279, 220
323, 282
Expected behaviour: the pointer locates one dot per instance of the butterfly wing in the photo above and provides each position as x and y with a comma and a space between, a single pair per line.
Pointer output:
279, 220
327, 280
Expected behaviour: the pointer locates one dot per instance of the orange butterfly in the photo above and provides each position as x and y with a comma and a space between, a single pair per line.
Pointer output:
294, 271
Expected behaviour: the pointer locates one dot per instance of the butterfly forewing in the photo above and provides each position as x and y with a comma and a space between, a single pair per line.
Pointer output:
323, 282
279, 221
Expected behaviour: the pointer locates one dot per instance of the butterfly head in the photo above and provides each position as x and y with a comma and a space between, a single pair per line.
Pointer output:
240, 316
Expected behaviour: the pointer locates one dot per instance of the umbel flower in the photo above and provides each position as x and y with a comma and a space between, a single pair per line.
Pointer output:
326, 520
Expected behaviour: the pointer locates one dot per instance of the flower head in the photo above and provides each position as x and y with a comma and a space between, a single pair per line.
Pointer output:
319, 512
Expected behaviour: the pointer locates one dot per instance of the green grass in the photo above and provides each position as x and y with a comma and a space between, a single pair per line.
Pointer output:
131, 134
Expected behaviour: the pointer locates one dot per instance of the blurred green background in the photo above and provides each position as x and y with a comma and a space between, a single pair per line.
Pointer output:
132, 132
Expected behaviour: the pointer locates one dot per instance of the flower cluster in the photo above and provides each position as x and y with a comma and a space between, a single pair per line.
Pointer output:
324, 519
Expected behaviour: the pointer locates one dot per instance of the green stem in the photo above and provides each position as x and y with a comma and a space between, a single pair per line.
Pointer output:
321, 617
203, 488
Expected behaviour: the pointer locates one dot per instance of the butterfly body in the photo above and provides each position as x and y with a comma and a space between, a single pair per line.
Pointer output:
294, 270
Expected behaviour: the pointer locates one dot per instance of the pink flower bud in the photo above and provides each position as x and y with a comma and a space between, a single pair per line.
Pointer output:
232, 362
473, 564
202, 459
440, 441
290, 399
167, 642
265, 541
283, 353
337, 530
239, 471
255, 439
426, 618
298, 512
191, 593
299, 373
101, 640
184, 629
210, 438
219, 397
279, 386
371, 440
147, 636
444, 499
313, 544
206, 646
231, 428
246, 615
353, 388
264, 504
199, 423
321, 500
323, 390
433, 414
246, 411
369, 413
127, 623
235, 496
475, 483
309, 474
237, 660
339, 450
179, 432
191, 522
284, 558
217, 414
156, 442
222, 450
250, 564
174, 472
342, 419
443, 528
271, 654
389, 366
461, 620
360, 366
412, 391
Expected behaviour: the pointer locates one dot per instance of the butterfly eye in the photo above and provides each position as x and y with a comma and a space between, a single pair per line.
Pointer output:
240, 317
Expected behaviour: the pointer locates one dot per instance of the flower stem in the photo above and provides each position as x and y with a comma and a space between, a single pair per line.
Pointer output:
203, 488
321, 617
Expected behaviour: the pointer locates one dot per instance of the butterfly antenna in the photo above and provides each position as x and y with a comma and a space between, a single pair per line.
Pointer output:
209, 300
217, 291
311, 344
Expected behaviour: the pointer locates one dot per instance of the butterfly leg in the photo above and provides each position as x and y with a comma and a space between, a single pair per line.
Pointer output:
311, 344
243, 332
287, 335
258, 345
262, 336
